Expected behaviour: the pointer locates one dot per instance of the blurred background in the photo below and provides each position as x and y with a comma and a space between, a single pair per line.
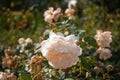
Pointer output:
24, 18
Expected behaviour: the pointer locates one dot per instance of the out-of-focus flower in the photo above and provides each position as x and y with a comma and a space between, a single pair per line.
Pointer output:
21, 41
50, 14
56, 14
36, 63
3, 76
10, 62
103, 38
28, 41
96, 69
61, 52
104, 53
88, 74
11, 77
70, 13
109, 67
72, 3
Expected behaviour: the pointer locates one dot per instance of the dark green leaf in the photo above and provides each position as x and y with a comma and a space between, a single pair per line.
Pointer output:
83, 45
91, 41
85, 63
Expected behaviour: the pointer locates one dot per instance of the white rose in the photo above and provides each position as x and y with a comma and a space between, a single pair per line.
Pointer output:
61, 52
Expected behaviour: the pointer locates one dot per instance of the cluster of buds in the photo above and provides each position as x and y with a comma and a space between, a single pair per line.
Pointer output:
23, 43
52, 14
5, 76
103, 40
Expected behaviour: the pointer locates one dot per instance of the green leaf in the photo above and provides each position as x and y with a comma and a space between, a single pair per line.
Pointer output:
83, 45
85, 63
24, 77
91, 41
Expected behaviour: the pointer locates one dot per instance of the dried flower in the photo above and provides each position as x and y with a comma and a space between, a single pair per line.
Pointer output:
36, 63
103, 38
3, 76
61, 52
104, 53
10, 62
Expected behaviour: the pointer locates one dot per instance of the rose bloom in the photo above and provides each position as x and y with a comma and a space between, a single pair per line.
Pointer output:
61, 52
103, 38
104, 53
